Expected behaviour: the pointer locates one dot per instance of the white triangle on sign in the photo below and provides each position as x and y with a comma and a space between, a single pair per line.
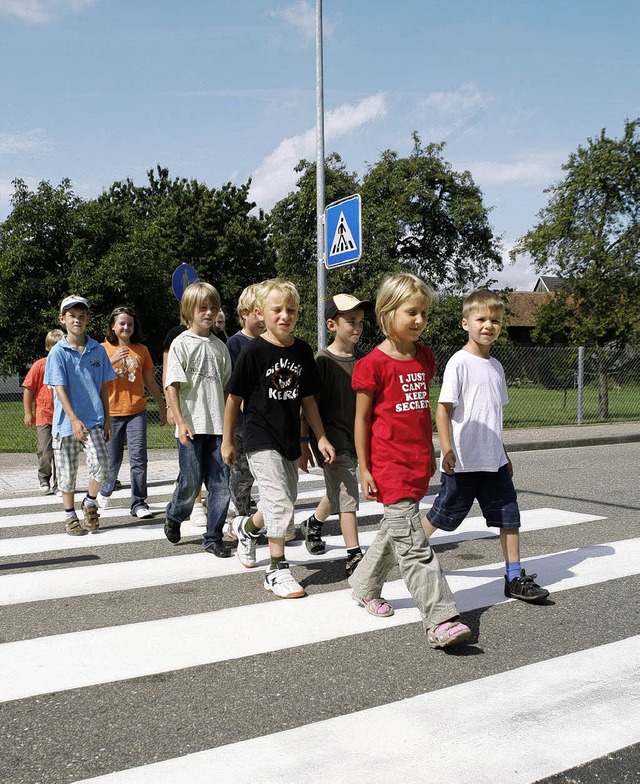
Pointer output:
343, 238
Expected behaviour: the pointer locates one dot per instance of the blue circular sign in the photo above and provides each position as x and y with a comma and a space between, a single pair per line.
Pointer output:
183, 276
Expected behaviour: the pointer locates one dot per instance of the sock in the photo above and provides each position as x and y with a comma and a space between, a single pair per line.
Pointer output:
313, 520
275, 563
89, 500
251, 529
353, 551
70, 512
513, 570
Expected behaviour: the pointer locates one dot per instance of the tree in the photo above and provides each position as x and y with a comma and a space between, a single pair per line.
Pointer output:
589, 235
35, 268
421, 215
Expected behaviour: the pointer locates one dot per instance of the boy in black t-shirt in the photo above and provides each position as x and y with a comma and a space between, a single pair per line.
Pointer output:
274, 377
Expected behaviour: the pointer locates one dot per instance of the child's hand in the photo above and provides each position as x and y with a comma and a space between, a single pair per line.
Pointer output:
306, 458
163, 414
228, 452
119, 354
79, 431
28, 419
369, 487
326, 449
448, 462
170, 418
185, 436
107, 431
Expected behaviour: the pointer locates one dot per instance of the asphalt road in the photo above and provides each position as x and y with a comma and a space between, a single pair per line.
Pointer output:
86, 693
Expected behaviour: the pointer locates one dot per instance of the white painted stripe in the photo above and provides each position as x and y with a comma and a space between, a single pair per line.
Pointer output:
473, 528
41, 665
483, 731
128, 575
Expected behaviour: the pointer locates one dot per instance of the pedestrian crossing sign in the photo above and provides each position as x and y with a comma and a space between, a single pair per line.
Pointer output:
343, 232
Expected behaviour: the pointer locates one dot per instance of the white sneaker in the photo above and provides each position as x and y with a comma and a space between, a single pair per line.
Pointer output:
246, 550
45, 489
199, 516
281, 583
144, 512
104, 501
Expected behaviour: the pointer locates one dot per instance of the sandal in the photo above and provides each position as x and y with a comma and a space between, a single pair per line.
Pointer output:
379, 607
73, 528
448, 633
311, 533
91, 518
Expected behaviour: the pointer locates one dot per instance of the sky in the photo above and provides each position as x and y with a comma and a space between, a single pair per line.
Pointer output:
100, 90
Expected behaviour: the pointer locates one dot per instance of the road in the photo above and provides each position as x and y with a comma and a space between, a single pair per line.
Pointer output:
125, 659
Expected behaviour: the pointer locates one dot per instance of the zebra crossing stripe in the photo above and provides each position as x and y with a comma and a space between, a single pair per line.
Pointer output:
144, 573
41, 665
518, 726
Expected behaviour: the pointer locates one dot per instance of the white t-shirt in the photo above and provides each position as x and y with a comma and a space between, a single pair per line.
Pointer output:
477, 389
201, 366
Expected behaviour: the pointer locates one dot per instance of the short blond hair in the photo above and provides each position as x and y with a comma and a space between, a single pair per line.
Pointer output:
482, 300
284, 287
53, 336
394, 290
194, 296
246, 301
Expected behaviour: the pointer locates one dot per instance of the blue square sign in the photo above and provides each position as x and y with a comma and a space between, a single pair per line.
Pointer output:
343, 232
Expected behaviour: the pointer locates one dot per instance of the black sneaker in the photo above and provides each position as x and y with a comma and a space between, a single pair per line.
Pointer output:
311, 533
219, 549
352, 561
524, 588
172, 531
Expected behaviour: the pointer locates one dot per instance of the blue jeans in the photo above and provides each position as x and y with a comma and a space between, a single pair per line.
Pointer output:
130, 430
200, 463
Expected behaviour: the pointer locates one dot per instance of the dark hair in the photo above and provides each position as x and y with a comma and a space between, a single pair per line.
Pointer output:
136, 335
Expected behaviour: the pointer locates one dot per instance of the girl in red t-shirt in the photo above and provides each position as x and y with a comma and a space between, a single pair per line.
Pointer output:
393, 437
133, 366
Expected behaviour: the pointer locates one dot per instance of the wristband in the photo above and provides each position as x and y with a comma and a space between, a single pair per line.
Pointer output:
304, 438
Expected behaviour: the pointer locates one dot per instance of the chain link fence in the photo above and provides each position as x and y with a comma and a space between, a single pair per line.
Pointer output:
547, 387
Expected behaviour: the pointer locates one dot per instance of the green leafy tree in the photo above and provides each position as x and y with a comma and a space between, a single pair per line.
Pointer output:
421, 215
589, 235
35, 268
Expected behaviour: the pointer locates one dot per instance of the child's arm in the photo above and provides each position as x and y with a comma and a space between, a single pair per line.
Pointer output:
231, 411
165, 357
79, 430
104, 396
361, 436
306, 458
184, 431
312, 415
152, 386
27, 402
443, 423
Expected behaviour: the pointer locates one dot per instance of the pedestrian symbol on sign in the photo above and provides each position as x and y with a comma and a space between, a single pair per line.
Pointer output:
342, 239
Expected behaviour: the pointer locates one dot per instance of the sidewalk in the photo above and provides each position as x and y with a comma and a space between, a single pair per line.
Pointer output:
18, 471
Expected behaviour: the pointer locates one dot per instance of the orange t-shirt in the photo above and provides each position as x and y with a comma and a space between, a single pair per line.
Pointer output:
126, 392
42, 394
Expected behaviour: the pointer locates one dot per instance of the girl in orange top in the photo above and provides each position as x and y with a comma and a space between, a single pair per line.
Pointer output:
133, 366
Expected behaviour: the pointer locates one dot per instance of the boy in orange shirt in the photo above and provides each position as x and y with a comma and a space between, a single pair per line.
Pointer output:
39, 396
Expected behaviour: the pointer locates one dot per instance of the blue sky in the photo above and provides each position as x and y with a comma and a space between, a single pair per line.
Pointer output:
100, 90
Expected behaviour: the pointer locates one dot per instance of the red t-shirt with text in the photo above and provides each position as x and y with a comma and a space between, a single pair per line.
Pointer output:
401, 429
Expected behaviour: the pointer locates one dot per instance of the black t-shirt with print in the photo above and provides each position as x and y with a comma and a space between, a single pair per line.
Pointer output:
272, 381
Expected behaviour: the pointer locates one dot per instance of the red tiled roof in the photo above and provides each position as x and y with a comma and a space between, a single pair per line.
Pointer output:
522, 307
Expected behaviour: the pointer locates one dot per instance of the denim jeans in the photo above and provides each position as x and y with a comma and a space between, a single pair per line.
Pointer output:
200, 463
130, 430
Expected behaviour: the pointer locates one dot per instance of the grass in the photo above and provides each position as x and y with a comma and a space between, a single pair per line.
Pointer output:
529, 406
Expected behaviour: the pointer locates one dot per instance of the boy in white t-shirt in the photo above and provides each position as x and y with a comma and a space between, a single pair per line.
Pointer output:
475, 465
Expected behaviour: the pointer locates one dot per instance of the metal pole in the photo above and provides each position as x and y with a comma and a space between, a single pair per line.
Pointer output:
580, 384
321, 271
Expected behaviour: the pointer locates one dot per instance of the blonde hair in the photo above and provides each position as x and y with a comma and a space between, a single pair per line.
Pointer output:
194, 296
53, 336
246, 301
283, 287
482, 300
395, 290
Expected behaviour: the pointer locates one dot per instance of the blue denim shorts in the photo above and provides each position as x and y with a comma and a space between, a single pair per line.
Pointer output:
493, 490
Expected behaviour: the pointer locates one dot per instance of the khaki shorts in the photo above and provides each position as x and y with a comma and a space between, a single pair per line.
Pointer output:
341, 480
277, 480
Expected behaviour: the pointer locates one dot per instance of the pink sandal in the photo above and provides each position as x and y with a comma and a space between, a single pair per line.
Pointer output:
379, 607
448, 633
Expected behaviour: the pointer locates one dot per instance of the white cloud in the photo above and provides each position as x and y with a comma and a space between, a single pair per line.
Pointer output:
301, 16
541, 168
519, 275
41, 11
275, 177
466, 99
30, 141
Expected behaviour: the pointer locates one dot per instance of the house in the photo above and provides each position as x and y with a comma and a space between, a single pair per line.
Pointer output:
548, 283
520, 314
